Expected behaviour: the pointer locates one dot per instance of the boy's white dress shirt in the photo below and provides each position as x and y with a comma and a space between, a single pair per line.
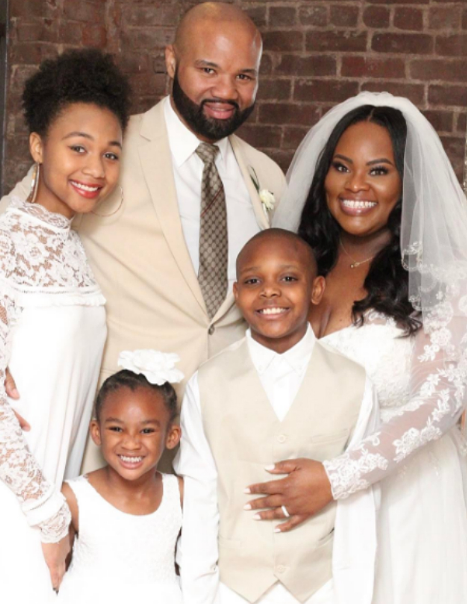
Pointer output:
188, 173
281, 376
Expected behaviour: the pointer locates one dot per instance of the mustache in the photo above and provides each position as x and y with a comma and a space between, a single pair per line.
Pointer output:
222, 101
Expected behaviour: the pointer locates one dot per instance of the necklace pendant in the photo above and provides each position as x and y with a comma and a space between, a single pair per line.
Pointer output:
354, 264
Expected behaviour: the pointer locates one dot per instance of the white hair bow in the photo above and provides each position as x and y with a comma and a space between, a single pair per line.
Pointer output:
156, 366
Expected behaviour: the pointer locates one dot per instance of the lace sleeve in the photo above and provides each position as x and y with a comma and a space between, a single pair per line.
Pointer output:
437, 390
42, 506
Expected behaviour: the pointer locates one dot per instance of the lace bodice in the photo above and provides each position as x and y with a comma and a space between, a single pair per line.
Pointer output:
420, 395
386, 356
42, 263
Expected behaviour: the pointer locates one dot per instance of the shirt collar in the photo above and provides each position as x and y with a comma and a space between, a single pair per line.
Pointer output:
182, 142
296, 357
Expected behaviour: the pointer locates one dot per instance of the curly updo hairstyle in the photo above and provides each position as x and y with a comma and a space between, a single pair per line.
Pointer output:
76, 76
387, 281
133, 381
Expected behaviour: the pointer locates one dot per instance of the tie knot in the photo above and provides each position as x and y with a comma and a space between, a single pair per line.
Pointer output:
207, 152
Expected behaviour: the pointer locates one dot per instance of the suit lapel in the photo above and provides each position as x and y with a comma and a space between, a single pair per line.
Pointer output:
156, 162
247, 172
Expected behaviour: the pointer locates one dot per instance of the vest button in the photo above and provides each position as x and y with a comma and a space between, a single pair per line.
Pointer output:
280, 569
281, 438
211, 330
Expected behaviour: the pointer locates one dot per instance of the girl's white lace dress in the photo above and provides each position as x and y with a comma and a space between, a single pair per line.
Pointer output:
123, 558
52, 333
420, 455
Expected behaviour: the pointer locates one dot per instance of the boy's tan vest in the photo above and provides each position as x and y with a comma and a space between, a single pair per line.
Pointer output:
245, 436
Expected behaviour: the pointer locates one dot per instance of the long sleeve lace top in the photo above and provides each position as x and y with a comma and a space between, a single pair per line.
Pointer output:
42, 263
421, 393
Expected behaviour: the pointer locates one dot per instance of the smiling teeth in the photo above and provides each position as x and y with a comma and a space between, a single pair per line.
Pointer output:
78, 185
131, 459
272, 311
349, 203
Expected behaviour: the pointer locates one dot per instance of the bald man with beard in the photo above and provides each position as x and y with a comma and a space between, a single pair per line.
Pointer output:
144, 241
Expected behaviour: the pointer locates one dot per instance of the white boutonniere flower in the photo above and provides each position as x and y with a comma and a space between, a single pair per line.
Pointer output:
157, 367
267, 198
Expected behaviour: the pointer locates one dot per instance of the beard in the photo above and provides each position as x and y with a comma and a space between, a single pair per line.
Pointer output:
207, 127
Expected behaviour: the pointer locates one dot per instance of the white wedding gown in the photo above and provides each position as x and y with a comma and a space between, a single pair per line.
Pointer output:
420, 460
52, 333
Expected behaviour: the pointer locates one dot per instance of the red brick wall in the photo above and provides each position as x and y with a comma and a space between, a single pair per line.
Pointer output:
39, 29
321, 52
316, 53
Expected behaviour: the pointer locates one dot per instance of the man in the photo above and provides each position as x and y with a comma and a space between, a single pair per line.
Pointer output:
152, 244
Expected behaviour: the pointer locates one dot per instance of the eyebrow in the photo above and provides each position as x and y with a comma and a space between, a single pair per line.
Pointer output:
282, 267
115, 420
91, 138
203, 63
382, 160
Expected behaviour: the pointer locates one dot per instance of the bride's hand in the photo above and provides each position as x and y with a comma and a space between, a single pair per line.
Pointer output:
304, 492
55, 555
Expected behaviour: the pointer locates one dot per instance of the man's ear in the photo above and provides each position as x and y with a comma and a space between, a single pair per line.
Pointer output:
319, 285
95, 432
170, 60
235, 291
36, 147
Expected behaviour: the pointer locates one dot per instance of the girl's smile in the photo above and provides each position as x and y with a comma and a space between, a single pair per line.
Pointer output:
133, 429
79, 159
89, 191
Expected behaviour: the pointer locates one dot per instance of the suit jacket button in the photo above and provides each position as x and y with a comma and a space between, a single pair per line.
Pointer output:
281, 438
280, 569
211, 330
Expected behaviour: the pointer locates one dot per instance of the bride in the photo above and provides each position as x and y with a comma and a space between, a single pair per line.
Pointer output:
52, 318
372, 190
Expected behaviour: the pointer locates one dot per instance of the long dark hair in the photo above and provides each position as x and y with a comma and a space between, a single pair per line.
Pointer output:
387, 281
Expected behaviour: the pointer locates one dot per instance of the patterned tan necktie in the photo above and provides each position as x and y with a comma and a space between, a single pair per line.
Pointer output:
213, 237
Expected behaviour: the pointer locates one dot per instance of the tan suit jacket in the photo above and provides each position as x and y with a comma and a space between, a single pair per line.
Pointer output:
138, 252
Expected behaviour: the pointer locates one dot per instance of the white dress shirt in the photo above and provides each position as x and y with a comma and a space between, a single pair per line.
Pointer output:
354, 537
188, 173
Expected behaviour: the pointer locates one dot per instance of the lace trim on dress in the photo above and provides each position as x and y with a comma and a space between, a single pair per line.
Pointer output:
40, 256
438, 375
37, 211
56, 527
42, 262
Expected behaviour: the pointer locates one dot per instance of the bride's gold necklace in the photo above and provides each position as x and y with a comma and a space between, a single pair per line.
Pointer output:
354, 263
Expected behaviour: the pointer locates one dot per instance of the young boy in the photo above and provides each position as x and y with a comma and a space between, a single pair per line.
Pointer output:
276, 394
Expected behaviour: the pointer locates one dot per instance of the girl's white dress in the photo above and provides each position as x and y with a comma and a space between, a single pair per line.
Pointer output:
122, 558
422, 533
52, 334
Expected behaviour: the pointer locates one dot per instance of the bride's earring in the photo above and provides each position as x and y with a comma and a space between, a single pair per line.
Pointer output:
36, 174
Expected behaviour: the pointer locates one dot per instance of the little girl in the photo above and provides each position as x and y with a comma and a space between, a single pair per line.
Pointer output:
126, 517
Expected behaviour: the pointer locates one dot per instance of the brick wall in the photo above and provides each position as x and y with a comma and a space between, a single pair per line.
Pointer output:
39, 29
321, 52
316, 53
